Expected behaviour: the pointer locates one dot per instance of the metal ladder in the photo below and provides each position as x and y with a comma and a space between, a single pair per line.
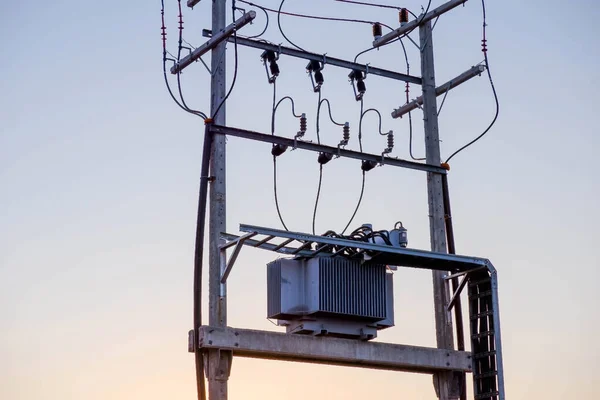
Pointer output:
483, 336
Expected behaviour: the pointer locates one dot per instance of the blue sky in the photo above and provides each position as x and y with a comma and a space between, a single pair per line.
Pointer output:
99, 174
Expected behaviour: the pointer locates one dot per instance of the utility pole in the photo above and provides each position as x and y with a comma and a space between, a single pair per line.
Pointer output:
219, 361
444, 381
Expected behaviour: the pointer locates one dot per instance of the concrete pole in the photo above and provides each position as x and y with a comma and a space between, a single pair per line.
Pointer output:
219, 362
444, 382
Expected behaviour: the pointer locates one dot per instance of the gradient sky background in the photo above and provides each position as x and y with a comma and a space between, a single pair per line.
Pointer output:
99, 176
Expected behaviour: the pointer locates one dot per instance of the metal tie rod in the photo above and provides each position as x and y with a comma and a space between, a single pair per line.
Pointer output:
451, 84
322, 58
213, 42
378, 158
416, 22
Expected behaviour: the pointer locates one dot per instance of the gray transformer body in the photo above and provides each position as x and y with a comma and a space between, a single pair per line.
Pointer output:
330, 296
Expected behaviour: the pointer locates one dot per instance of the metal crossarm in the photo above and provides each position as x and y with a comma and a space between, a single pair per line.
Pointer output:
388, 254
320, 148
326, 246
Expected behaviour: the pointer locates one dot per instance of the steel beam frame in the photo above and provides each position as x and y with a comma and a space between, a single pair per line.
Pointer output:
318, 148
325, 59
332, 351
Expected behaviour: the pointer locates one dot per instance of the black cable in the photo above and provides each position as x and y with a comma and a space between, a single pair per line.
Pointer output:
329, 108
317, 198
410, 125
281, 30
359, 21
273, 109
266, 24
362, 191
487, 67
364, 113
275, 193
317, 119
180, 42
195, 112
360, 125
376, 5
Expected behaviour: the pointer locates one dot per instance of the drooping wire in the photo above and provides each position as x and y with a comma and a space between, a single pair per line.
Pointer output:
362, 192
164, 41
180, 47
360, 21
376, 5
314, 217
410, 125
281, 29
362, 115
318, 117
273, 109
487, 67
329, 108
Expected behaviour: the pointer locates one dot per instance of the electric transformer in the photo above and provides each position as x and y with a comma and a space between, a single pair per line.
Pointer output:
330, 296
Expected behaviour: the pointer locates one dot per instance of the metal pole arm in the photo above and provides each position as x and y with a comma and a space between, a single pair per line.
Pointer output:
213, 42
416, 22
451, 84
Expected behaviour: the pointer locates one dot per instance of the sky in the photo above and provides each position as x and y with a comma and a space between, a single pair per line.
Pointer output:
99, 173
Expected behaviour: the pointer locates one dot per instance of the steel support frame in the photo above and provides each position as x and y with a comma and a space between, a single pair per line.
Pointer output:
325, 59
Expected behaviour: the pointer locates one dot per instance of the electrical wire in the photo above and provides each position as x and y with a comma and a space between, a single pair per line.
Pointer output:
273, 109
314, 217
362, 116
164, 40
410, 125
291, 14
376, 5
275, 193
180, 46
281, 29
362, 192
329, 108
487, 67
317, 119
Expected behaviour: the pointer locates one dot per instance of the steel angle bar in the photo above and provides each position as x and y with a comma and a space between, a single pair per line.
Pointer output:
333, 351
389, 254
457, 292
239, 242
325, 59
407, 28
378, 158
213, 42
459, 274
451, 84
269, 246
